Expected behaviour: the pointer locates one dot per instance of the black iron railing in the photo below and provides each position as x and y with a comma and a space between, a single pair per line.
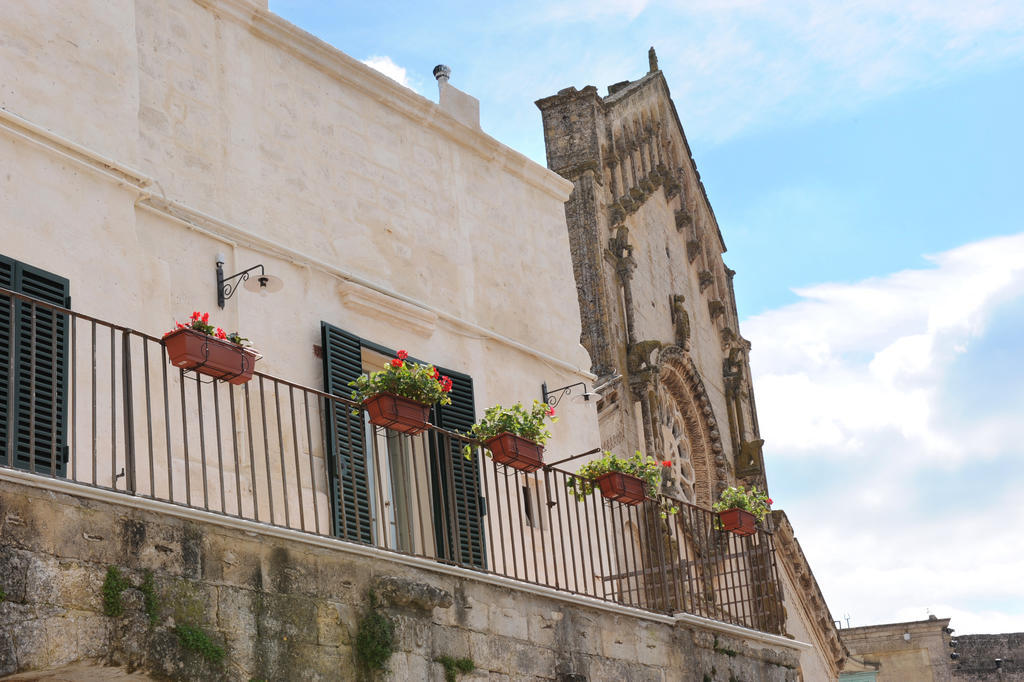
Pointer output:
99, 404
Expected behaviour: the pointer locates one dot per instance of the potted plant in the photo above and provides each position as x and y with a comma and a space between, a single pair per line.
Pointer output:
514, 436
627, 480
199, 346
399, 397
740, 510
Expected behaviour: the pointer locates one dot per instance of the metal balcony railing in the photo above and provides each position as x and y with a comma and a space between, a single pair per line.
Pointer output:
99, 405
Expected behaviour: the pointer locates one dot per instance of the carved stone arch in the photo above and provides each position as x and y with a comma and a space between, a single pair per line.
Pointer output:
680, 382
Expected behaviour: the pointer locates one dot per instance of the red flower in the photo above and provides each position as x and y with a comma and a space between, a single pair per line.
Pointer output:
437, 375
666, 462
221, 334
396, 363
402, 355
769, 500
206, 318
180, 325
446, 384
551, 411
195, 315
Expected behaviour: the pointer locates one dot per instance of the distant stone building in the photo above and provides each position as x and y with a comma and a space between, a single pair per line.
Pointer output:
928, 651
659, 312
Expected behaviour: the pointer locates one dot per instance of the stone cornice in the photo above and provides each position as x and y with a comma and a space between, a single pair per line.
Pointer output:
337, 65
794, 562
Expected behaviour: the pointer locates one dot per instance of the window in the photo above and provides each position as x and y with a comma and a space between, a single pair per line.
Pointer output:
33, 370
409, 493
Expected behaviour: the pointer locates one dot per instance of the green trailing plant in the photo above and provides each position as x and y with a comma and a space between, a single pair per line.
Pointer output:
528, 424
151, 601
646, 469
196, 639
422, 383
200, 322
455, 666
113, 585
375, 637
738, 497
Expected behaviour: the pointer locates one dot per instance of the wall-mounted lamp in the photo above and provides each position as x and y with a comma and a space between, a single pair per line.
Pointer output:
261, 283
553, 397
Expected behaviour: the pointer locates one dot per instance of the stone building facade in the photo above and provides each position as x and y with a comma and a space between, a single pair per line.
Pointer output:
142, 143
659, 311
656, 299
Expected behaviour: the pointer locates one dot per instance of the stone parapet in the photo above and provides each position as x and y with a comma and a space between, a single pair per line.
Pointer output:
289, 608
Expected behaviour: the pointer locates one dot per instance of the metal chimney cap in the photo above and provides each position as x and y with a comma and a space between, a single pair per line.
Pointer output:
442, 72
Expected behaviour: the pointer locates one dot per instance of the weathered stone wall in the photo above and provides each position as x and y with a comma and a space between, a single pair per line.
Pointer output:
916, 651
287, 608
978, 654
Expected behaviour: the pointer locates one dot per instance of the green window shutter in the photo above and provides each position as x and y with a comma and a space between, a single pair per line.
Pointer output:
346, 443
35, 343
6, 355
467, 505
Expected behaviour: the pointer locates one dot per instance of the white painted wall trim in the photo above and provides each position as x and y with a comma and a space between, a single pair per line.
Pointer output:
235, 235
56, 485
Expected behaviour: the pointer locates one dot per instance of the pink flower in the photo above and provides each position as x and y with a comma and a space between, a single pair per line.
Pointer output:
396, 363
551, 411
769, 501
402, 355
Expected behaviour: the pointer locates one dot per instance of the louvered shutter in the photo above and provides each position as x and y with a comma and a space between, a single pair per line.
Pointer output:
346, 442
41, 378
467, 505
6, 355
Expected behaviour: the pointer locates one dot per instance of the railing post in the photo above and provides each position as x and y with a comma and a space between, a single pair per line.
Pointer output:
129, 410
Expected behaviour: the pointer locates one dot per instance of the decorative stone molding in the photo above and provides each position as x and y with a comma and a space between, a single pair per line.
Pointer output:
750, 462
705, 279
683, 220
678, 374
376, 305
692, 249
716, 309
792, 560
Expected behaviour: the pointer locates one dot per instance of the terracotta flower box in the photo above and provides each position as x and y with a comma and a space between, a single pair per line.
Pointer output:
738, 521
516, 452
208, 355
621, 487
397, 413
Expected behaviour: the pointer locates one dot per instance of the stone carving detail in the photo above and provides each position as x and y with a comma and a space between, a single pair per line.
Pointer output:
728, 336
681, 319
716, 308
706, 279
692, 249
683, 219
639, 359
751, 460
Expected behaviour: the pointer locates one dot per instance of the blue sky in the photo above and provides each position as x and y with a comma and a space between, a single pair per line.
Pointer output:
863, 160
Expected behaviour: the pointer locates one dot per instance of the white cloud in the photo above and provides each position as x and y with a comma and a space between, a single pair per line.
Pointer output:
851, 359
915, 500
390, 69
